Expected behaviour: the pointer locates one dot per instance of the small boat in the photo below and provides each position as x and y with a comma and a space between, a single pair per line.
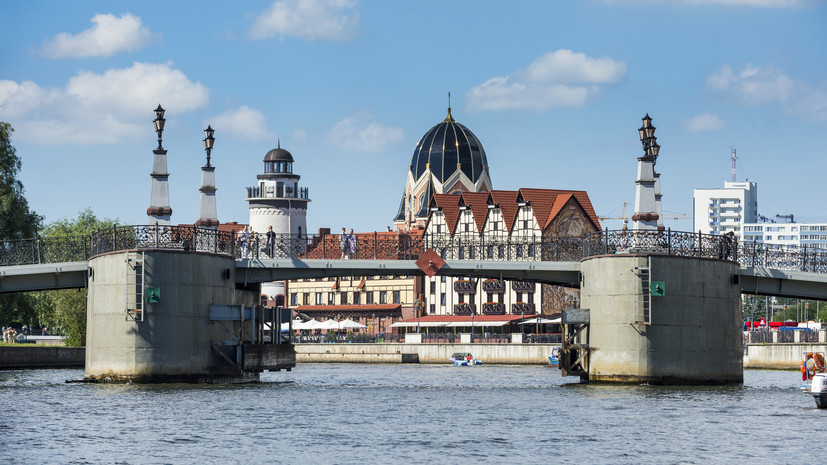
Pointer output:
554, 358
814, 377
464, 359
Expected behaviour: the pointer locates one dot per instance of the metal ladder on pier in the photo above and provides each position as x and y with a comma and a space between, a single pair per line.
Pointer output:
135, 275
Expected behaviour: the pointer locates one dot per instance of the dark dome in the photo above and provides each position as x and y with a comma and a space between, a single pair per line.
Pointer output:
446, 146
278, 154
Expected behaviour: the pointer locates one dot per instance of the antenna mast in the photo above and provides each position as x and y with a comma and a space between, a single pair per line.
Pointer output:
734, 158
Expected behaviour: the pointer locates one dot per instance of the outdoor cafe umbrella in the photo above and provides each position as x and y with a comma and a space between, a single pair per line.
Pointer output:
350, 324
330, 324
541, 321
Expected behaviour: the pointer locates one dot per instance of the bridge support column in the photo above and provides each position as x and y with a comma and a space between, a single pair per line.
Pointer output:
149, 320
663, 319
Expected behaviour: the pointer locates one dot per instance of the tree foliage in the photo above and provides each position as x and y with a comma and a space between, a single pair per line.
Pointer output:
17, 221
65, 310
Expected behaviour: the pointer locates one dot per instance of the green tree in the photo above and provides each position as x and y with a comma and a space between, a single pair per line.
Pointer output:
65, 310
18, 222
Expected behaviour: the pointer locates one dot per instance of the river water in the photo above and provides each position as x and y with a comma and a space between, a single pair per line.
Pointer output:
341, 413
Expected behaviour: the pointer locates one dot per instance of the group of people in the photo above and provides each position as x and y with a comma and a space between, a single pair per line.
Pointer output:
347, 242
9, 335
248, 240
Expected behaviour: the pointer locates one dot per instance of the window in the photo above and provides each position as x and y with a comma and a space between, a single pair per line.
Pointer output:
501, 251
343, 297
489, 297
525, 224
530, 298
319, 299
461, 252
433, 309
369, 297
383, 297
531, 250
496, 226
519, 297
433, 287
442, 279
356, 298
471, 254
490, 251
438, 228
397, 299
442, 299
467, 227
294, 299
330, 297
519, 251
306, 298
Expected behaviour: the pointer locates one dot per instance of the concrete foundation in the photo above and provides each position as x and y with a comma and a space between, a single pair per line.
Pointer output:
172, 339
689, 335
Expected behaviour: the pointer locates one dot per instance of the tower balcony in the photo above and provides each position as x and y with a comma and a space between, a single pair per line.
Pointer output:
286, 192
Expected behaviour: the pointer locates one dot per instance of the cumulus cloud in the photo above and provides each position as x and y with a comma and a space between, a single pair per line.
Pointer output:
561, 78
98, 108
761, 85
243, 122
109, 35
362, 133
705, 122
307, 19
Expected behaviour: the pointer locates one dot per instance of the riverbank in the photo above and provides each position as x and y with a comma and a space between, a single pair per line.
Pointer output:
780, 356
504, 354
37, 356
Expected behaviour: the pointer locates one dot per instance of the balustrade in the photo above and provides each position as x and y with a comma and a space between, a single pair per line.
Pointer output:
465, 309
523, 309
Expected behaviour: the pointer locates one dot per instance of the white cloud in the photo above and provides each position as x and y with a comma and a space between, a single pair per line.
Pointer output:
109, 35
705, 122
98, 108
760, 85
363, 133
307, 19
243, 122
560, 78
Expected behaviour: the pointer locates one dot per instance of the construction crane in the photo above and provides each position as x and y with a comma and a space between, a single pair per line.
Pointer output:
625, 218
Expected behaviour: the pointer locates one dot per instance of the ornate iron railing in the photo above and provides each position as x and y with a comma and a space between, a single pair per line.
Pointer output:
522, 286
493, 285
669, 242
523, 309
400, 246
465, 309
493, 309
465, 287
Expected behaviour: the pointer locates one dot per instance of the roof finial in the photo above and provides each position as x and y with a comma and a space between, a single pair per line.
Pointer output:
449, 118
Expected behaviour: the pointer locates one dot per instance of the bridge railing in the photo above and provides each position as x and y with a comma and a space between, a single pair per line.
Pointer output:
44, 250
685, 244
784, 257
185, 238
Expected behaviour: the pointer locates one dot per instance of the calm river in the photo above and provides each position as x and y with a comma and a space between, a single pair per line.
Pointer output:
326, 414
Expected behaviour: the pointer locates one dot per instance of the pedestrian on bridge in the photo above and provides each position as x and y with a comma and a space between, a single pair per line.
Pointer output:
244, 241
343, 244
351, 244
271, 242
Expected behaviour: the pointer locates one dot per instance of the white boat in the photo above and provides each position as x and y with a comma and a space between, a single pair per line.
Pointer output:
464, 359
814, 377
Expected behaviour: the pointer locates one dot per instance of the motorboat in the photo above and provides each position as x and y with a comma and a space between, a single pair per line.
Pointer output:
554, 358
464, 359
814, 377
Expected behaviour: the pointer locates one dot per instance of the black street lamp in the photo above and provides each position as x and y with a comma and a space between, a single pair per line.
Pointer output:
648, 139
208, 142
159, 123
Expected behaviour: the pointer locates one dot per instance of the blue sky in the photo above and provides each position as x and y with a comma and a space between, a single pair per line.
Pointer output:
553, 90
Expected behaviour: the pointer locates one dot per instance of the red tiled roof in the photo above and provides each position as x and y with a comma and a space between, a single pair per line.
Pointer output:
460, 318
547, 203
478, 203
449, 204
507, 200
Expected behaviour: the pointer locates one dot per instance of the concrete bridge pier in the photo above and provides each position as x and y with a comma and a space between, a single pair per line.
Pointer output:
150, 318
662, 319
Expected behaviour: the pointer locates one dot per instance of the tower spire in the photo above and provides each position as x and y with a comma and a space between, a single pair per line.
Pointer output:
449, 118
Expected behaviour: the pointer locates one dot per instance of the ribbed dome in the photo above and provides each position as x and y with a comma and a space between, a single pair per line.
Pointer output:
278, 154
445, 147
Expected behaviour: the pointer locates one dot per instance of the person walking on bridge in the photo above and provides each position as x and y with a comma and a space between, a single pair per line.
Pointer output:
343, 244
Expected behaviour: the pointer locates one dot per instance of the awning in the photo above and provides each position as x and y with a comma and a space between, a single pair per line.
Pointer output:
467, 324
542, 321
423, 324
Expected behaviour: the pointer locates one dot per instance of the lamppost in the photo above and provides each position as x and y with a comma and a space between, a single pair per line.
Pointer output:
159, 124
208, 142
417, 306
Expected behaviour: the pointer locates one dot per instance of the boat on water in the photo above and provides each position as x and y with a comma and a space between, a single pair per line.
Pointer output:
814, 377
554, 358
464, 359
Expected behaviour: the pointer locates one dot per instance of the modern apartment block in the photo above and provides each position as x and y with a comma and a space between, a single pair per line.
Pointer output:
810, 235
723, 210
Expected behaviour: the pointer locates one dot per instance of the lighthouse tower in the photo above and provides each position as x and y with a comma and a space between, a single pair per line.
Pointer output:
278, 201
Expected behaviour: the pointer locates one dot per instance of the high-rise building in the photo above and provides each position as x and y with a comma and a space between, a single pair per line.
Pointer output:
723, 210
